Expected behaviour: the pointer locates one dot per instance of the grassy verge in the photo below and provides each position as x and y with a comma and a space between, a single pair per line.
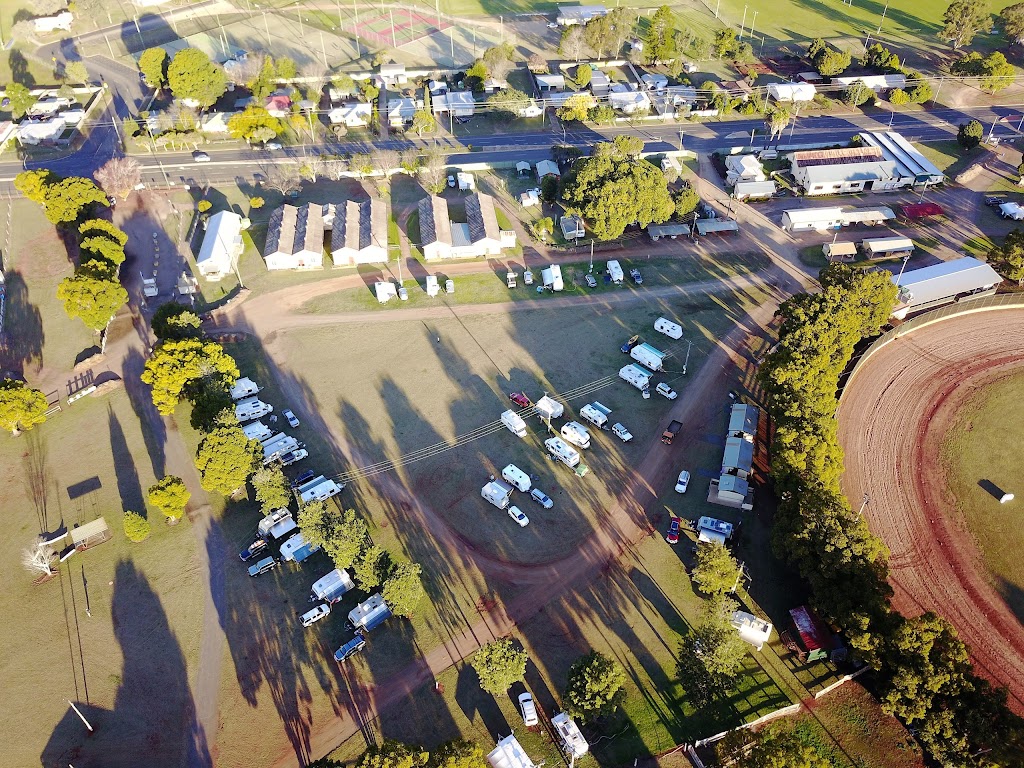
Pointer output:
948, 156
490, 287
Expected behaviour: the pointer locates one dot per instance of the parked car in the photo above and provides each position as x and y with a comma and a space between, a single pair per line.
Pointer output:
403, 294
637, 277
305, 477
590, 281
200, 157
683, 482
264, 565
672, 537
273, 145
621, 432
253, 549
292, 457
351, 648
665, 390
994, 201
541, 498
520, 399
309, 618
517, 514
628, 346
528, 708
290, 417
451, 182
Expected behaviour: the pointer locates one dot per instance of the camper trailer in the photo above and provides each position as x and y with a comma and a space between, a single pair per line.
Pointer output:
648, 356
562, 451
278, 445
319, 489
670, 329
257, 430
432, 287
497, 493
549, 408
297, 549
596, 414
332, 587
514, 423
251, 408
515, 477
577, 434
552, 278
370, 613
244, 388
615, 272
638, 376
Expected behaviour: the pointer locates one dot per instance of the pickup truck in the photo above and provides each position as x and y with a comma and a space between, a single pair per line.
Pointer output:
671, 431
621, 432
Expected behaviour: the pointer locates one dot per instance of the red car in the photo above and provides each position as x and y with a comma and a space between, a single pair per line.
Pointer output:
673, 531
520, 399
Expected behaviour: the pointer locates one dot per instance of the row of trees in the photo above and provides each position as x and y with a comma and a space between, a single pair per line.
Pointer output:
926, 677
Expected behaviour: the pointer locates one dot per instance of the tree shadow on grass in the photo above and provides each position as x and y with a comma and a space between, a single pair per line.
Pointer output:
128, 485
154, 431
22, 344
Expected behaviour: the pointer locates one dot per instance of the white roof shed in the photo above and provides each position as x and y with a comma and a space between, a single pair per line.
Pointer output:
792, 91
944, 281
222, 245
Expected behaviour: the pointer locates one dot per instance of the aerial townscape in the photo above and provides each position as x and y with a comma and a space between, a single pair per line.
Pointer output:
463, 384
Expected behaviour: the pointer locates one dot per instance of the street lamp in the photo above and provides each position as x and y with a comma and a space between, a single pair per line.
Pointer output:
687, 360
905, 260
863, 504
681, 135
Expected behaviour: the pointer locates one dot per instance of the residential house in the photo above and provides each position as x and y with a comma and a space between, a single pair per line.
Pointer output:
352, 115
401, 111
836, 171
437, 87
479, 236
491, 85
572, 227
680, 95
360, 233
278, 105
550, 82
41, 132
458, 103
792, 92
654, 81
393, 74
61, 20
215, 122
295, 238
547, 168
568, 15
529, 198
628, 101
522, 168
737, 88
222, 245
743, 168
599, 83
877, 83
530, 110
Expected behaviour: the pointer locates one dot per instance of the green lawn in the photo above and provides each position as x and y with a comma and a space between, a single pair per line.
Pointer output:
981, 449
948, 156
490, 287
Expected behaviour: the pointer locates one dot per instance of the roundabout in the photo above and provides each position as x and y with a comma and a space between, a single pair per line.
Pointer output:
895, 417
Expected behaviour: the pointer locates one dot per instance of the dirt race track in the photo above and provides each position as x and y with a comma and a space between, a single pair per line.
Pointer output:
893, 417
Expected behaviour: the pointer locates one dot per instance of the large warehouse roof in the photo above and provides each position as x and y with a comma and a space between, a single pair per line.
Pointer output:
909, 161
946, 279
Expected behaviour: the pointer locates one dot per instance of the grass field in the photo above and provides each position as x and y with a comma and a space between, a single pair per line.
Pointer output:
981, 448
948, 156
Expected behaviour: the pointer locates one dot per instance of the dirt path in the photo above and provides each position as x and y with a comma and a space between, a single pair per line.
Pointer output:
623, 527
892, 421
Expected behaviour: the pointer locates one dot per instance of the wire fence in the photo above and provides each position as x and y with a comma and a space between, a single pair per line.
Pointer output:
962, 307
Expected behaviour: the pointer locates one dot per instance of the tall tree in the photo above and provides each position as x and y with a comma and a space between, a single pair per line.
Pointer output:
153, 66
176, 322
584, 74
67, 199
1012, 17
771, 747
460, 754
342, 537
572, 43
226, 458
423, 122
392, 754
715, 570
21, 407
119, 176
499, 61
136, 527
498, 664
403, 588
170, 496
193, 76
33, 184
614, 188
175, 367
1009, 257
576, 107
506, 104
254, 124
964, 19
20, 99
272, 489
998, 73
371, 567
93, 300
595, 686
970, 134
433, 170
660, 40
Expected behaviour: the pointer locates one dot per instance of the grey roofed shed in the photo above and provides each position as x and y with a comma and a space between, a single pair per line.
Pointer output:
739, 454
946, 279
710, 226
874, 170
733, 484
435, 227
359, 226
656, 231
481, 218
743, 418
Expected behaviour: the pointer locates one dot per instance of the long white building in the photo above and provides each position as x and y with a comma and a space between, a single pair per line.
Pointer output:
222, 245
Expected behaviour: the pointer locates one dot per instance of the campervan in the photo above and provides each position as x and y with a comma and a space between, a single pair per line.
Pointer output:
516, 477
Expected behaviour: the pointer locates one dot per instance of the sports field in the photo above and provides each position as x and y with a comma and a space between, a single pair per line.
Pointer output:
982, 451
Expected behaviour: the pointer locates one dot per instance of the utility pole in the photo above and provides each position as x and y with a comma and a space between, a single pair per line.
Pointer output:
591, 255
744, 22
79, 713
394, 36
686, 362
681, 135
866, 499
717, 6
740, 574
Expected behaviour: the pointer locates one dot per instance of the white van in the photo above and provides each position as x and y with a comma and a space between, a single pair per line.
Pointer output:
670, 329
516, 477
576, 433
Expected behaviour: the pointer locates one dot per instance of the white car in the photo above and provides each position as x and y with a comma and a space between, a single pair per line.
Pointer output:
621, 432
541, 498
200, 157
683, 482
309, 618
528, 708
665, 390
517, 514
291, 418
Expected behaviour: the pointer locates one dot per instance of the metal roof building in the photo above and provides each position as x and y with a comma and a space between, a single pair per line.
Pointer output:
222, 245
739, 456
360, 233
943, 283
743, 420
295, 238
579, 14
910, 163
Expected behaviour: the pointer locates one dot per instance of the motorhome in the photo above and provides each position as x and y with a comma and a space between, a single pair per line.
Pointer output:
577, 434
514, 423
515, 477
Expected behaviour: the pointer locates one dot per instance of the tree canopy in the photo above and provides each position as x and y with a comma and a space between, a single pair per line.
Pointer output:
499, 664
970, 134
770, 747
226, 458
175, 366
32, 184
153, 66
193, 76
392, 754
660, 40
595, 686
1008, 258
342, 537
272, 489
93, 300
136, 527
1012, 17
21, 407
254, 124
576, 107
176, 322
505, 105
403, 588
170, 496
66, 199
613, 189
962, 20
460, 754
715, 570
371, 567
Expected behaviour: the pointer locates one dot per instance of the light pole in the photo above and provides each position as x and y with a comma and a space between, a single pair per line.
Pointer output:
882, 20
905, 260
863, 504
681, 134
753, 23
686, 362
744, 22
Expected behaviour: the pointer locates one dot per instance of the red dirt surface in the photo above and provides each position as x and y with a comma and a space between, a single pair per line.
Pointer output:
893, 417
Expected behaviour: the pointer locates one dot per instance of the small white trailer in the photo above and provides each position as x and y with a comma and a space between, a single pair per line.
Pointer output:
385, 291
596, 414
573, 741
548, 408
370, 613
278, 446
670, 329
648, 356
432, 287
319, 489
514, 423
566, 454
577, 434
515, 477
296, 548
887, 247
332, 587
615, 272
257, 430
251, 408
497, 493
552, 278
269, 521
638, 376
276, 526
244, 388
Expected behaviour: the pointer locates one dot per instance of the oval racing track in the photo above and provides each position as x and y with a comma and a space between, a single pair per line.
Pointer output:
893, 418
